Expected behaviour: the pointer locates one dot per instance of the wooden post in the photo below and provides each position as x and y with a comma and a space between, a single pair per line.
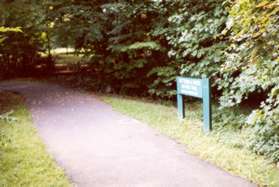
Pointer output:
180, 102
206, 92
180, 106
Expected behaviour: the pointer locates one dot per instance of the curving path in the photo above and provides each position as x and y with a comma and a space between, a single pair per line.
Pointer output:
100, 147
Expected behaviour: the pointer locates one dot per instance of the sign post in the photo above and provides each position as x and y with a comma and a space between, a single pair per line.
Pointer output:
199, 88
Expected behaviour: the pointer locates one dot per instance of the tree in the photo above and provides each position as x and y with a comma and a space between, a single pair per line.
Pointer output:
19, 49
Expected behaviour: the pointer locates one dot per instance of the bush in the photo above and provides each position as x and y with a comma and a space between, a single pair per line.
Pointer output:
252, 66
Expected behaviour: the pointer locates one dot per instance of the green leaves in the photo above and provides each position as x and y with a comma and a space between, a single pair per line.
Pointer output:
7, 117
252, 66
9, 29
164, 83
4, 30
150, 45
193, 36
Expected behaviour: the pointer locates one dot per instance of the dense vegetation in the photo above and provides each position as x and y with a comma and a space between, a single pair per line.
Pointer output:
139, 47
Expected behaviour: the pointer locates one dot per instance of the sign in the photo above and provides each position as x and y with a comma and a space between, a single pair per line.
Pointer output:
199, 88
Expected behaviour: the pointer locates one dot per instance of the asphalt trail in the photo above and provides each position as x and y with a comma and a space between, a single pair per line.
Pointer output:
100, 147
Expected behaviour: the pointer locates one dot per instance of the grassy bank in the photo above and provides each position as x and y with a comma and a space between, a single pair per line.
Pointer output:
225, 147
23, 157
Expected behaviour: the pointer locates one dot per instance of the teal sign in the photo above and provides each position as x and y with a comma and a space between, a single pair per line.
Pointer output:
199, 88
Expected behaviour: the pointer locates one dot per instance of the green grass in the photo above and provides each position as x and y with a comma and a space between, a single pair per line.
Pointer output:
23, 157
67, 59
223, 147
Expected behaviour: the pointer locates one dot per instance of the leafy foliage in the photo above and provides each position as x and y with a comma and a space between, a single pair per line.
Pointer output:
7, 117
5, 30
252, 66
193, 32
20, 37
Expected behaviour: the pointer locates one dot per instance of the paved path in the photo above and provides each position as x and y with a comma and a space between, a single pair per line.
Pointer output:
100, 147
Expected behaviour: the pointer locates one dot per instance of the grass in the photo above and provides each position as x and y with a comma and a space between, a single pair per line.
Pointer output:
23, 157
223, 147
67, 59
